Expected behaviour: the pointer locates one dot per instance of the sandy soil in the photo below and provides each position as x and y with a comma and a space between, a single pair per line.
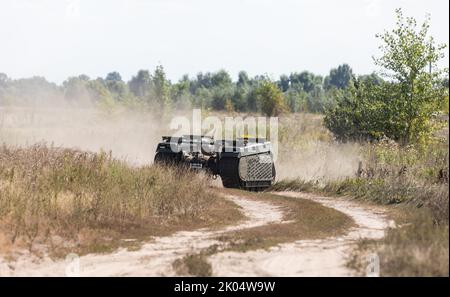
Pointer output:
325, 257
153, 259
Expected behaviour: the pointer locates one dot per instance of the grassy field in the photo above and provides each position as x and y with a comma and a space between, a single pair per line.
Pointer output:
74, 201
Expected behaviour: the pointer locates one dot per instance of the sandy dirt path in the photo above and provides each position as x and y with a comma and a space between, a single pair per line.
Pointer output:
153, 259
325, 257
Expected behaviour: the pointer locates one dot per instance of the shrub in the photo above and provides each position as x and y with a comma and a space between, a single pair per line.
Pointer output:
270, 98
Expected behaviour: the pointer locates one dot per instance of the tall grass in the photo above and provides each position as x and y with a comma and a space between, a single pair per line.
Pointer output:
415, 178
47, 191
419, 247
391, 174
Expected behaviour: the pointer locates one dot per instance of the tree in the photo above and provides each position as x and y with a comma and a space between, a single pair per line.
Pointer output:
202, 98
220, 95
140, 84
410, 59
76, 89
221, 79
240, 96
270, 98
318, 100
229, 105
116, 86
204, 80
284, 83
296, 101
305, 81
243, 79
401, 108
339, 77
84, 77
113, 76
358, 113
34, 90
180, 93
373, 78
99, 93
252, 100
160, 87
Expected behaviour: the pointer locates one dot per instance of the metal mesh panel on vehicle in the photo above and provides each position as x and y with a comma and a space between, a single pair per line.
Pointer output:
256, 167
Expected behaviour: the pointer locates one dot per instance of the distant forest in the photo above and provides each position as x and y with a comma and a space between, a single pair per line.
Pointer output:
301, 91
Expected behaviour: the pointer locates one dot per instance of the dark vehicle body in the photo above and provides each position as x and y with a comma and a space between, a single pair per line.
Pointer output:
244, 163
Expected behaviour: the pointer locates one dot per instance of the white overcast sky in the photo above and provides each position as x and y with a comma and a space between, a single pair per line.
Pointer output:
61, 38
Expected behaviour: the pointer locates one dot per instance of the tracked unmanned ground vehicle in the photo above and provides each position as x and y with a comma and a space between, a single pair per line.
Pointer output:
244, 163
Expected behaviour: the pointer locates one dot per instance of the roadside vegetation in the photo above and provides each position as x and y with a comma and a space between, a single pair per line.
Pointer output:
414, 184
401, 128
75, 201
195, 264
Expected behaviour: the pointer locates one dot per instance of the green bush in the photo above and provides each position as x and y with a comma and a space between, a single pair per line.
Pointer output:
403, 108
270, 98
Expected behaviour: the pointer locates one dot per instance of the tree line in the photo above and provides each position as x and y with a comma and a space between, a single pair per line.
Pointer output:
297, 92
402, 103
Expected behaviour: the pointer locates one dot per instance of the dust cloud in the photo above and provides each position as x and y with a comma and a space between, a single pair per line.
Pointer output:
319, 161
131, 136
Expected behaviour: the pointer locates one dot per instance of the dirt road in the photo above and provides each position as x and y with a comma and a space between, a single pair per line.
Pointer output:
154, 258
301, 258
324, 257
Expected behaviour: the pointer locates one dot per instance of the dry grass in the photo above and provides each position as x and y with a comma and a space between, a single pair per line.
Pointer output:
195, 264
417, 247
413, 178
85, 202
